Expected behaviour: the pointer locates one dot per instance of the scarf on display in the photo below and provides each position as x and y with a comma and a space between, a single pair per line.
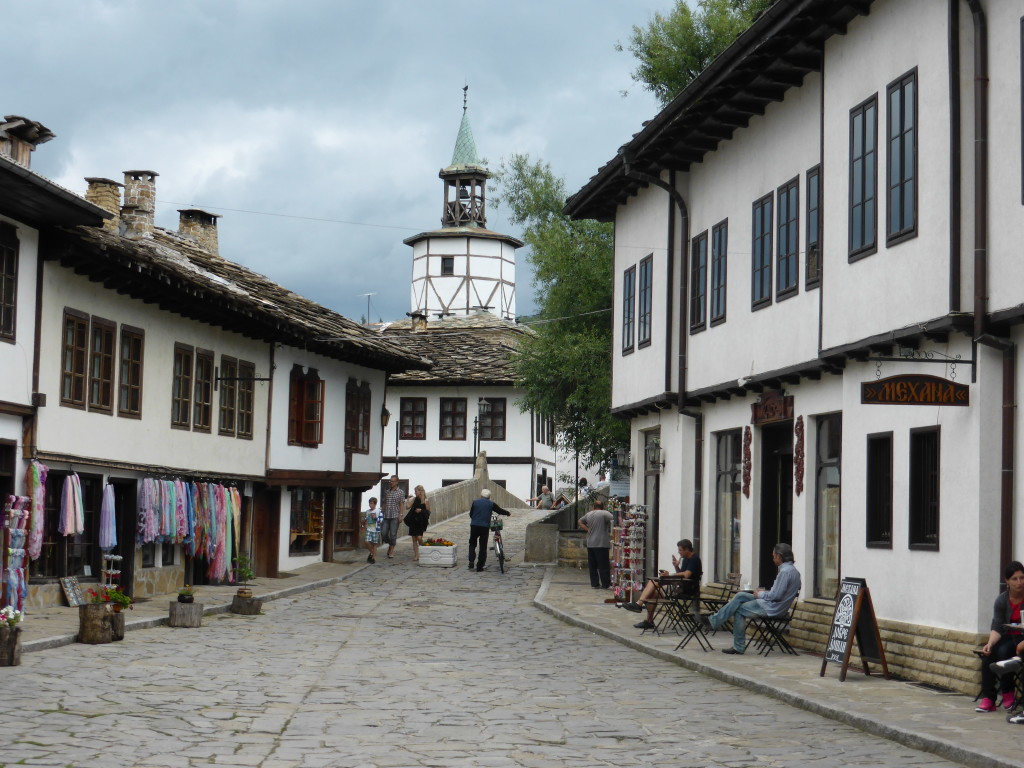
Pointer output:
35, 484
108, 520
72, 508
15, 585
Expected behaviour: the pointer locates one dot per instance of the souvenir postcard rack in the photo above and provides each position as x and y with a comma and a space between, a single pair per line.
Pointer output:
629, 539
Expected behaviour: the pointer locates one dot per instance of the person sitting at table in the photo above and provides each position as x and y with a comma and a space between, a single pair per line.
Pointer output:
687, 565
766, 602
998, 654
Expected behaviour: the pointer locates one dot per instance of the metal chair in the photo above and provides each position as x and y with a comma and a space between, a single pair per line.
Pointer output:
769, 631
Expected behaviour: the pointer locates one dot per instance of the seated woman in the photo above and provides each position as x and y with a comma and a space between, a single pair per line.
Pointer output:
687, 566
1002, 643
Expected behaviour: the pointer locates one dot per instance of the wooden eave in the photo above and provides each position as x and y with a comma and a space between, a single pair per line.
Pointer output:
26, 196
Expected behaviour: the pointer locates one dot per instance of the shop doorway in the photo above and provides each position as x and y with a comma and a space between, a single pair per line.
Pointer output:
126, 497
266, 522
776, 495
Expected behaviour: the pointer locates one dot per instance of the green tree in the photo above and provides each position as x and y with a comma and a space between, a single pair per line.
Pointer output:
565, 368
673, 49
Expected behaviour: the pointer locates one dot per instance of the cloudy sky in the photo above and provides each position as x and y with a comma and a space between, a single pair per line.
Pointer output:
317, 127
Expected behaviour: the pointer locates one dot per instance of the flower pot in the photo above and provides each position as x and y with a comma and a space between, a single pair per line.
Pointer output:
445, 557
186, 598
244, 592
116, 607
10, 645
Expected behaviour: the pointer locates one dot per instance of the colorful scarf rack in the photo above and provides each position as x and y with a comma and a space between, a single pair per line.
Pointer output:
35, 484
15, 585
72, 507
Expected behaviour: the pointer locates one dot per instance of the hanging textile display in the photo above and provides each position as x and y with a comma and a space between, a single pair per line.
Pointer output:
17, 511
108, 520
72, 508
35, 483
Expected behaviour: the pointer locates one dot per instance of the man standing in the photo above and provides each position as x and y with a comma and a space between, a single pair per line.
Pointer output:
766, 602
545, 499
598, 525
394, 501
480, 526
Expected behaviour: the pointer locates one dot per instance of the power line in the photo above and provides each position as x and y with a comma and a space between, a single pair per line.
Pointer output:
291, 216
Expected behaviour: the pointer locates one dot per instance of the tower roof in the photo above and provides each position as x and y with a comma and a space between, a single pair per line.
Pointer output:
465, 147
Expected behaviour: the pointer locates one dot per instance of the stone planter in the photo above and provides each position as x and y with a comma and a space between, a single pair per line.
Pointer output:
445, 557
185, 614
246, 606
97, 623
10, 645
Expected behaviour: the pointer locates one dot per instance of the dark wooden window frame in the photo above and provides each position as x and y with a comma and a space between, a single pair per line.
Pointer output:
449, 420
413, 418
787, 236
813, 213
718, 295
699, 282
227, 401
9, 257
181, 382
100, 385
447, 266
761, 255
202, 400
868, 160
925, 489
74, 357
645, 294
628, 309
130, 370
246, 400
306, 401
357, 416
878, 495
898, 122
493, 423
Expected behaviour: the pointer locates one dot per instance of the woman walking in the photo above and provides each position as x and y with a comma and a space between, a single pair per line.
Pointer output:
418, 519
372, 519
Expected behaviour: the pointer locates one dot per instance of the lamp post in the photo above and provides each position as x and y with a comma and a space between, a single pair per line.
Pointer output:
483, 408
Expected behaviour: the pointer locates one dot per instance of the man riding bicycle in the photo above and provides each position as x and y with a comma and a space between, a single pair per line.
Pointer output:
480, 526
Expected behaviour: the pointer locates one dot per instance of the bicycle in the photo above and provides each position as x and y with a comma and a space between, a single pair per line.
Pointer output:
499, 546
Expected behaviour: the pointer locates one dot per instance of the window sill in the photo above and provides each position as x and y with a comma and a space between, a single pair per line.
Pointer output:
717, 321
760, 305
789, 293
862, 254
899, 237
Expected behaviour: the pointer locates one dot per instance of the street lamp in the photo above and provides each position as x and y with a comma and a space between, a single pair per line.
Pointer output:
483, 408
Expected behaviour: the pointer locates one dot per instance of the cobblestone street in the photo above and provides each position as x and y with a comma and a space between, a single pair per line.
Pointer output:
402, 665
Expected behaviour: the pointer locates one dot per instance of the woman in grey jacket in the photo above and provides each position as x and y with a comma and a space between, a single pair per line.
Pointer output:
1002, 642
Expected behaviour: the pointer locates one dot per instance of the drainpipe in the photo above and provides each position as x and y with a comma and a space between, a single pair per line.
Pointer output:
955, 196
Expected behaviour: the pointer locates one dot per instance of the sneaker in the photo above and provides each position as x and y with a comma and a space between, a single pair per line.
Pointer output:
1016, 719
369, 558
1007, 666
705, 624
645, 624
1009, 699
734, 652
634, 607
986, 705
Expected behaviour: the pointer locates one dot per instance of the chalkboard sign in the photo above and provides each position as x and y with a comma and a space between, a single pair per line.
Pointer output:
72, 591
854, 619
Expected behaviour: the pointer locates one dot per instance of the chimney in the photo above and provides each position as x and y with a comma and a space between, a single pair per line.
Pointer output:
19, 137
139, 203
419, 320
201, 226
106, 193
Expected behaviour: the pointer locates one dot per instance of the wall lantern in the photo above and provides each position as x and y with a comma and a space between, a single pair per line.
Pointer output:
655, 456
385, 416
620, 462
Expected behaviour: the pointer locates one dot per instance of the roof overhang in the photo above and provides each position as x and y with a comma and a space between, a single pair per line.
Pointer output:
37, 201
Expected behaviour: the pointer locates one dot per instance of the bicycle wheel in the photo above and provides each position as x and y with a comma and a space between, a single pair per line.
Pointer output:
499, 550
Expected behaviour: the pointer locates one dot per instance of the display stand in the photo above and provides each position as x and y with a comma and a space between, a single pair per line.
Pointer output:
629, 536
111, 571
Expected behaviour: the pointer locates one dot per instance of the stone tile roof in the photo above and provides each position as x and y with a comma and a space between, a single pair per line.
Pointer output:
180, 276
474, 349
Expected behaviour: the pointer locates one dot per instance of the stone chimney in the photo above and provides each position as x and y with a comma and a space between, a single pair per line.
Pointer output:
201, 226
106, 193
19, 137
419, 320
139, 203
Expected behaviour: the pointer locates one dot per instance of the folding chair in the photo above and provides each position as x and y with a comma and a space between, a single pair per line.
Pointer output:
769, 631
694, 627
667, 605
712, 601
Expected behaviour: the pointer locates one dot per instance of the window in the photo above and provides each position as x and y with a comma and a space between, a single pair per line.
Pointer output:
307, 521
901, 159
8, 281
828, 504
75, 554
812, 269
129, 402
357, 417
761, 253
101, 365
698, 282
788, 240
544, 428
719, 264
628, 308
646, 298
453, 418
305, 407
879, 491
228, 381
246, 399
447, 265
203, 402
492, 423
72, 385
181, 387
414, 418
863, 216
924, 488
728, 476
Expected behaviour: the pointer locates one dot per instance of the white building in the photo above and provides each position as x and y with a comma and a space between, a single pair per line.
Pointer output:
818, 298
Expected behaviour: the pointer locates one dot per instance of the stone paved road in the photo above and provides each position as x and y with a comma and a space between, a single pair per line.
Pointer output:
401, 666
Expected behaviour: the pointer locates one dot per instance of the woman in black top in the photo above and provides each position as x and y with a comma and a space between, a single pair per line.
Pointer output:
1002, 641
417, 519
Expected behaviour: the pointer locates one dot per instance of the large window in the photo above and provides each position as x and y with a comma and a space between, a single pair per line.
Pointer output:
863, 160
76, 554
73, 354
879, 491
129, 401
246, 398
924, 488
828, 508
357, 417
728, 484
788, 240
901, 159
305, 407
698, 282
414, 418
8, 281
719, 270
492, 423
646, 302
761, 253
228, 395
203, 402
812, 270
101, 365
453, 418
181, 387
628, 308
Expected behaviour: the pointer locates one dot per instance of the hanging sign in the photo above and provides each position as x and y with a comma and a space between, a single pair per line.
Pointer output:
770, 407
914, 389
854, 618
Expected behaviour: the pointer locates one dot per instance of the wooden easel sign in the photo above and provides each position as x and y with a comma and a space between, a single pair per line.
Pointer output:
854, 618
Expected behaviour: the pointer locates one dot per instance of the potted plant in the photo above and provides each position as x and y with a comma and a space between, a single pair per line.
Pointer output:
438, 552
117, 598
187, 594
96, 620
10, 637
244, 573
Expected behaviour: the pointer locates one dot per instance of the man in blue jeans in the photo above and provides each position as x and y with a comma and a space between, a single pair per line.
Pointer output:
766, 602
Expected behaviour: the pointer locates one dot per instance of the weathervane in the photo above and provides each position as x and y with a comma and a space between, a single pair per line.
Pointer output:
465, 96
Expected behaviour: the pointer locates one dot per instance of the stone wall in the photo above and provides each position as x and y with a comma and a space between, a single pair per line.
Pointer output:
454, 500
572, 549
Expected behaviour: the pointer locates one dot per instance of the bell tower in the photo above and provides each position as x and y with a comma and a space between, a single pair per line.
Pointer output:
465, 180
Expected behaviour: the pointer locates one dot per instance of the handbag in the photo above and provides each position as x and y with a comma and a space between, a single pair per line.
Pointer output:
409, 519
